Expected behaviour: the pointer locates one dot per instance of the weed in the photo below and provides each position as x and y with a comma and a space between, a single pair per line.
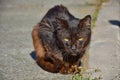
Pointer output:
95, 14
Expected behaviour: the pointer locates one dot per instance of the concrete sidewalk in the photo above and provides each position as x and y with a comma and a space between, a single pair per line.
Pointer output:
105, 44
17, 18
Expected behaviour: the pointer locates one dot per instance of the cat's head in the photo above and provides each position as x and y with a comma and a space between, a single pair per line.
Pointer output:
74, 35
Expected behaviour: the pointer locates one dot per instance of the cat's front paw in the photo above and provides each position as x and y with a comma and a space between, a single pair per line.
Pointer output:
70, 70
64, 70
75, 69
54, 60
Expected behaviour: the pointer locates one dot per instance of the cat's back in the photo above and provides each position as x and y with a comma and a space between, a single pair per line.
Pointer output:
58, 11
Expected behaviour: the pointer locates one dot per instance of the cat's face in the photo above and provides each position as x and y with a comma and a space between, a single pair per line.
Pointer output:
74, 35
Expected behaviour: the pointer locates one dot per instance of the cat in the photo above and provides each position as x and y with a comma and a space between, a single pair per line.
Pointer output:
60, 40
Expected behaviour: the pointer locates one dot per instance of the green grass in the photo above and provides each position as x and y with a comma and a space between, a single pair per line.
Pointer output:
95, 15
86, 75
80, 77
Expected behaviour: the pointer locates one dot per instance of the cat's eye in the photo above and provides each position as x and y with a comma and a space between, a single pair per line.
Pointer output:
66, 39
80, 39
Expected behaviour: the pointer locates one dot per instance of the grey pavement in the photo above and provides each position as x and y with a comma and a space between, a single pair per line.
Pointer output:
105, 44
17, 18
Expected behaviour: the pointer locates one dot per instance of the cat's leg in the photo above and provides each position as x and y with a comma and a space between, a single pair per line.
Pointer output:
41, 56
37, 42
65, 68
49, 64
70, 69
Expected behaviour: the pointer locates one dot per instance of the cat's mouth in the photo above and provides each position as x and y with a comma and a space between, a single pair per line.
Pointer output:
74, 54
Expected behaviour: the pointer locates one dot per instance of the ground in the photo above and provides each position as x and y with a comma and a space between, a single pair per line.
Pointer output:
105, 43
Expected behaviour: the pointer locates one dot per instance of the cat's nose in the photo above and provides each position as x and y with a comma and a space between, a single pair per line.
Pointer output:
73, 47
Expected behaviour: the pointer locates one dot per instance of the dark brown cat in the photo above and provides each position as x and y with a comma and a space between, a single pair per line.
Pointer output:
60, 40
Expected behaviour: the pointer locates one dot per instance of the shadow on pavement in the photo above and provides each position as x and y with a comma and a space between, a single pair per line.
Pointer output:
115, 22
33, 55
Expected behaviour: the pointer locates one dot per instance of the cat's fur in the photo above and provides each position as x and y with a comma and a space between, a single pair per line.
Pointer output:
60, 40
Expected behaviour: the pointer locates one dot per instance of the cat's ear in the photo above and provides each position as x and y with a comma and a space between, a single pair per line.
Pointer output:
85, 22
62, 23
